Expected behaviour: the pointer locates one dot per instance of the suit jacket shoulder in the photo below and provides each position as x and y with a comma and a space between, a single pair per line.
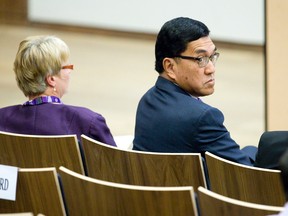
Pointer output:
272, 145
168, 119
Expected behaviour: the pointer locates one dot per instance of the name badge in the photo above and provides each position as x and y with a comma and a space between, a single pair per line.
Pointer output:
8, 182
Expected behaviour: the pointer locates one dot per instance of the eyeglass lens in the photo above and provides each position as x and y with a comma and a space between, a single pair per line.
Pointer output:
205, 60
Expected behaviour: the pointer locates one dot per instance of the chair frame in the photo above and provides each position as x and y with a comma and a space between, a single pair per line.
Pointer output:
35, 151
211, 203
89, 196
142, 168
246, 183
38, 191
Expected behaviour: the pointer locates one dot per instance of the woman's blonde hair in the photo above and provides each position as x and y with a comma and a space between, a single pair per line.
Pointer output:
38, 57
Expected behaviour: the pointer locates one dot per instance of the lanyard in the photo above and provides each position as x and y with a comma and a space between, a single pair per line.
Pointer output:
43, 100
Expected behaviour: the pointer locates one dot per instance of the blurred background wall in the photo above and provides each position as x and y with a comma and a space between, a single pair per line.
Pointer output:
229, 20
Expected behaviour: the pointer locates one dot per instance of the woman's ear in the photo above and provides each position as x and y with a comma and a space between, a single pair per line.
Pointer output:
170, 67
51, 81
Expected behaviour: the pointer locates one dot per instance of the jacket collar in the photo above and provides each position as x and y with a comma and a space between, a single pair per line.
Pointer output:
167, 85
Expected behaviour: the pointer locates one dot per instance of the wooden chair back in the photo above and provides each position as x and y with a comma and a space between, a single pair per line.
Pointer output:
250, 184
88, 196
31, 151
142, 168
211, 203
38, 191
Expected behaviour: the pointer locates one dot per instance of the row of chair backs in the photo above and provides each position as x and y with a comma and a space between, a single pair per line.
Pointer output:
142, 168
32, 151
251, 184
103, 161
39, 193
112, 164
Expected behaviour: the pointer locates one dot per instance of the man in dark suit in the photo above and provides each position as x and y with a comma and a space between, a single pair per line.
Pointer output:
272, 145
170, 116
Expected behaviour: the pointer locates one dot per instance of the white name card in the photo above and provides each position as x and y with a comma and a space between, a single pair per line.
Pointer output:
8, 182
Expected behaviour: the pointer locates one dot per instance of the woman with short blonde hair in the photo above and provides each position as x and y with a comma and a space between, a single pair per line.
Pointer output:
42, 70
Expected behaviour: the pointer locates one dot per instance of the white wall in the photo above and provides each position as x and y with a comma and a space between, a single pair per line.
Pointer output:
240, 21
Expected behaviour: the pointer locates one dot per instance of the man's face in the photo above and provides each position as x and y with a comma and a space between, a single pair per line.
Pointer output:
196, 80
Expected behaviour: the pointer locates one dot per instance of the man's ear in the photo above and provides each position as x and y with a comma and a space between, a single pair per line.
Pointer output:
51, 80
170, 67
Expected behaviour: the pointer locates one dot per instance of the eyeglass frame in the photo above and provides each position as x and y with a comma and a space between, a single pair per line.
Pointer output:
198, 59
71, 66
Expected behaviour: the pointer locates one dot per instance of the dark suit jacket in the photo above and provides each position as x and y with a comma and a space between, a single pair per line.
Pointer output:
55, 119
170, 120
272, 145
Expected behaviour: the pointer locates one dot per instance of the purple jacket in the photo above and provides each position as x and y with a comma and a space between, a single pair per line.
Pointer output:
55, 119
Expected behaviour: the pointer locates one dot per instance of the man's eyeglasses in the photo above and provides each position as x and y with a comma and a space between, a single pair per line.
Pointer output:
202, 61
68, 67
